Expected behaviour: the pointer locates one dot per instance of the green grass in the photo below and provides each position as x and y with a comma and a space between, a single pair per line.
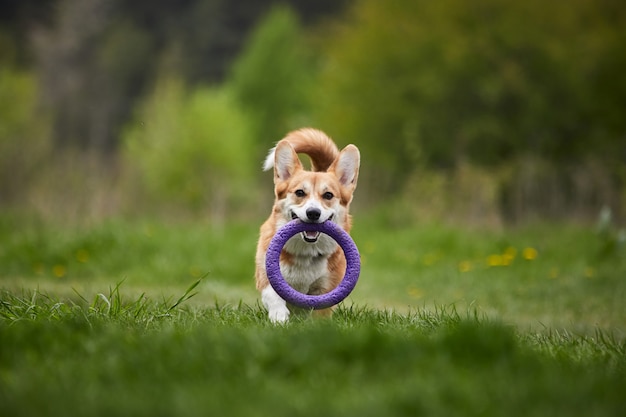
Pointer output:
147, 318
138, 357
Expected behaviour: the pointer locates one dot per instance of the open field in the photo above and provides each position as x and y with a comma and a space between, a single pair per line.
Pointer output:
491, 135
559, 276
97, 321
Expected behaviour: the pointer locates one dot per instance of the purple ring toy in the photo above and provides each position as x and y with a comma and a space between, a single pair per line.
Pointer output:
282, 287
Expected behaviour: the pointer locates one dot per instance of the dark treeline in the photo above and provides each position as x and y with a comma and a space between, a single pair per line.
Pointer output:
479, 111
97, 57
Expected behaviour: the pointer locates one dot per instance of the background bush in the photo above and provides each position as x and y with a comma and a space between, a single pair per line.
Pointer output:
191, 147
485, 81
529, 96
273, 76
23, 133
420, 84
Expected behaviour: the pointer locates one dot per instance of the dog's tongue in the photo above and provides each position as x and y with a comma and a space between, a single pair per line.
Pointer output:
312, 234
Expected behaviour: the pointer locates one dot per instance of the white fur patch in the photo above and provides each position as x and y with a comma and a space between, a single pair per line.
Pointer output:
300, 211
269, 160
304, 272
348, 166
276, 307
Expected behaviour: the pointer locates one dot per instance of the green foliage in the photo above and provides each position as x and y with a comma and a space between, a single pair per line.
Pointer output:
612, 240
115, 356
273, 75
443, 321
435, 82
139, 252
122, 55
546, 271
191, 146
540, 276
23, 132
113, 307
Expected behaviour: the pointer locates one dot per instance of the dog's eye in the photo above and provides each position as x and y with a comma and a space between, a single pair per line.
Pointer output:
300, 193
327, 195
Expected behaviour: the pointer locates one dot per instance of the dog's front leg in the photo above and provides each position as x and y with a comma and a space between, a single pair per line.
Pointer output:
276, 306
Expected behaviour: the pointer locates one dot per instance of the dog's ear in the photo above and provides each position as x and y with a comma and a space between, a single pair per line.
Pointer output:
286, 162
346, 167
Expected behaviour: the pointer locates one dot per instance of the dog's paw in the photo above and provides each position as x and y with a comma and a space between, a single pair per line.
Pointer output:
279, 315
276, 306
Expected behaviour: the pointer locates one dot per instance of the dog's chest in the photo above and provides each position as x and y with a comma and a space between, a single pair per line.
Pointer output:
303, 271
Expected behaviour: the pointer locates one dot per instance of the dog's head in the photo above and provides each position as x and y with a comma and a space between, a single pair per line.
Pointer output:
314, 197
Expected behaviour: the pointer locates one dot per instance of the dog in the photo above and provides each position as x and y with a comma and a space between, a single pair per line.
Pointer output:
311, 262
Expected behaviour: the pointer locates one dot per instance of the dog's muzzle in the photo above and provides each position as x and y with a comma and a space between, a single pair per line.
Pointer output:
313, 216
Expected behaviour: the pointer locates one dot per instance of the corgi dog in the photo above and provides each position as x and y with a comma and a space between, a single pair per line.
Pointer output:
311, 262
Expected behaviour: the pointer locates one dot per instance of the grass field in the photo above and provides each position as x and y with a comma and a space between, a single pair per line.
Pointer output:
149, 318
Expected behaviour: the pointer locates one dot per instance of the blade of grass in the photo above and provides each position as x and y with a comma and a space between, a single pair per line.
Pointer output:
187, 295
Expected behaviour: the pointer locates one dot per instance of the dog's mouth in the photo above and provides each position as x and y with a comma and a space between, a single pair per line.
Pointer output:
310, 236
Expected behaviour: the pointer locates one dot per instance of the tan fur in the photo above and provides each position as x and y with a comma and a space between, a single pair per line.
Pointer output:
332, 172
319, 147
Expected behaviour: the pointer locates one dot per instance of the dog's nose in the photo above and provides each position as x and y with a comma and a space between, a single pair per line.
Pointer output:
313, 214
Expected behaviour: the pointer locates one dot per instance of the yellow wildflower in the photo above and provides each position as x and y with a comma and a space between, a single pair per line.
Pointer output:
465, 266
415, 292
509, 255
554, 273
82, 256
530, 253
495, 260
59, 271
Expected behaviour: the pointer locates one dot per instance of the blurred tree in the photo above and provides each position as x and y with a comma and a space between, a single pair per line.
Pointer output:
92, 66
191, 146
17, 19
272, 77
97, 57
211, 33
487, 80
23, 133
